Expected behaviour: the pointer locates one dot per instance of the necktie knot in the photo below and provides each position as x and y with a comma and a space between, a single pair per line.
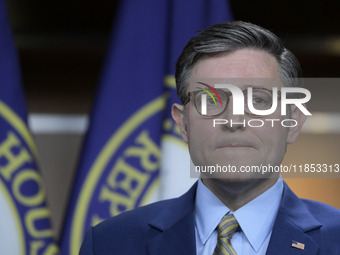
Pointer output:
228, 226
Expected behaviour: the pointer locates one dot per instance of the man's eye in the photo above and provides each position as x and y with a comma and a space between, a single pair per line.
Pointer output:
210, 101
258, 101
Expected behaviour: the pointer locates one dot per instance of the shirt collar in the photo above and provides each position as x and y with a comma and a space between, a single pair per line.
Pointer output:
258, 224
209, 210
256, 218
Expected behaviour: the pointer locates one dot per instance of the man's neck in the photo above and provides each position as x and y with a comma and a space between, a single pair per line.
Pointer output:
235, 194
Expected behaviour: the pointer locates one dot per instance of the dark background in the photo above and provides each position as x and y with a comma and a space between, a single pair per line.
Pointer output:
62, 43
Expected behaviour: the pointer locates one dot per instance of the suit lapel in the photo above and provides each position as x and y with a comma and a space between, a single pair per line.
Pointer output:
178, 239
174, 229
294, 222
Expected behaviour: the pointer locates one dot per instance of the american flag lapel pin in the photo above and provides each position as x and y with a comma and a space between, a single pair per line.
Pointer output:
298, 245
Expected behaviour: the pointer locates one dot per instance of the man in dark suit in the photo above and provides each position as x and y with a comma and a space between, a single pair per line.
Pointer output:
235, 211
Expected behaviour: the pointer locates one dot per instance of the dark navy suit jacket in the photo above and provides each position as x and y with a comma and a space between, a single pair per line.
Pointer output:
167, 227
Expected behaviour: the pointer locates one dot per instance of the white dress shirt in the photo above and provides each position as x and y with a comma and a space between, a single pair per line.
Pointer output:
256, 220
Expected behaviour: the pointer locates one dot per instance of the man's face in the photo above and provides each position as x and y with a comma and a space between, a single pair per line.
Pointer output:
236, 145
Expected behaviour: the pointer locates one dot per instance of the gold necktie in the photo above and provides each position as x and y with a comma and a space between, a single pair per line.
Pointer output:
226, 229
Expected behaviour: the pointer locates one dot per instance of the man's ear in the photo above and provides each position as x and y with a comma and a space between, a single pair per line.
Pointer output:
300, 118
177, 112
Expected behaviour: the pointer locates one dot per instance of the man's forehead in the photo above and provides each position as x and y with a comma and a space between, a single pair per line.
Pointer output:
242, 63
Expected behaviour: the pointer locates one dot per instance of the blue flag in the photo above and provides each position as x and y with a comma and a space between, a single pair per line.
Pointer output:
25, 220
120, 164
